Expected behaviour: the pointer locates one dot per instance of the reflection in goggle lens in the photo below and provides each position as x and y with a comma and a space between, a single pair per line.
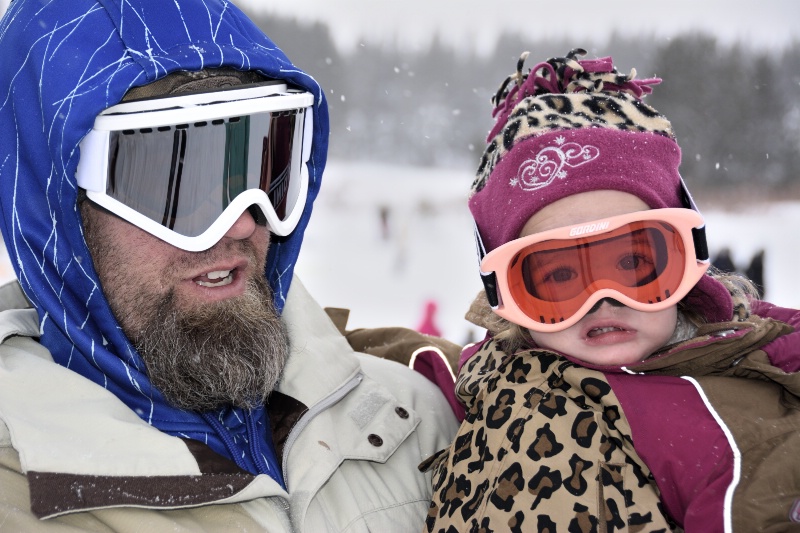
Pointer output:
633, 259
184, 176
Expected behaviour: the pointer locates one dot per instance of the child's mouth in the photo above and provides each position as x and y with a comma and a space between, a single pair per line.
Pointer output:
596, 332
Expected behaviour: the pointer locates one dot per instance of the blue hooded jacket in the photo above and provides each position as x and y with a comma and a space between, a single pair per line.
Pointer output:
64, 61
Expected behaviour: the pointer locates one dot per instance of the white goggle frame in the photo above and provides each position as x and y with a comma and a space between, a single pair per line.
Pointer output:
93, 167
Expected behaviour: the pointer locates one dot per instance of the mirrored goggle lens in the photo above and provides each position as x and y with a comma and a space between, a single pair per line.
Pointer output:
184, 176
644, 261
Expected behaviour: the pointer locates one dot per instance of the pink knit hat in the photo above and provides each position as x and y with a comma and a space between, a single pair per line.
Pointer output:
569, 126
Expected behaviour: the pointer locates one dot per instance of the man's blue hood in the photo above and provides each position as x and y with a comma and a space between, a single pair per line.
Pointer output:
64, 61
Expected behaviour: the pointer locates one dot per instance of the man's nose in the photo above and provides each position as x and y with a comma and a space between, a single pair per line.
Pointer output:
244, 226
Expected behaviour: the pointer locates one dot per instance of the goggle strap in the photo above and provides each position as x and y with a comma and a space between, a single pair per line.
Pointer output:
489, 279
686, 197
698, 234
490, 286
700, 243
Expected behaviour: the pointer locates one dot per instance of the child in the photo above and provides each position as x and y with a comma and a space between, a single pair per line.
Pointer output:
621, 386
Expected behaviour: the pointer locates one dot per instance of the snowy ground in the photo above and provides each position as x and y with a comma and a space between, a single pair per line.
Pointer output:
385, 274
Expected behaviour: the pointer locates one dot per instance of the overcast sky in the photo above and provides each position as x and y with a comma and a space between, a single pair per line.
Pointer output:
476, 23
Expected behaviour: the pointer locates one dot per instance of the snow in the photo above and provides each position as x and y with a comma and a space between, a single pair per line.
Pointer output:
428, 251
771, 228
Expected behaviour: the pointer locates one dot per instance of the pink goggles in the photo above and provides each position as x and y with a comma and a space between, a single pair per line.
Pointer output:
647, 260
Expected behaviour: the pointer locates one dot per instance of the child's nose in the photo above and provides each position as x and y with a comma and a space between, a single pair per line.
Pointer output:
610, 301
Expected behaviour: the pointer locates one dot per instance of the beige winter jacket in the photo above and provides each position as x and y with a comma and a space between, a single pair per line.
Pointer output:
74, 458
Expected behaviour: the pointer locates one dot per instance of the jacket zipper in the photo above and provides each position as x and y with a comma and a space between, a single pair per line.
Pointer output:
327, 402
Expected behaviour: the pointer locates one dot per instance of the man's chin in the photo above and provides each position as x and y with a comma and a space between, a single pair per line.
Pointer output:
229, 352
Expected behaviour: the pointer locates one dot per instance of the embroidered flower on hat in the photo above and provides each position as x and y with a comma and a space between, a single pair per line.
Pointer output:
551, 162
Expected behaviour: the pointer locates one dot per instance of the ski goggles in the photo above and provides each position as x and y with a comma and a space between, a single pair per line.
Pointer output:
647, 260
184, 168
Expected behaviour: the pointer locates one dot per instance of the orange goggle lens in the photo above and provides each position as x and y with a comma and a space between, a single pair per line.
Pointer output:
644, 261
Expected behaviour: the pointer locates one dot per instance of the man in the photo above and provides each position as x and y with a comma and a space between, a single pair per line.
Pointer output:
157, 159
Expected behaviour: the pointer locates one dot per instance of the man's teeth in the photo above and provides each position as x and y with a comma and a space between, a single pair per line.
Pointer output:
224, 277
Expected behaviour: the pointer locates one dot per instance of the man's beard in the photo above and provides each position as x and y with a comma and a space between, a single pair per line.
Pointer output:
229, 353
203, 357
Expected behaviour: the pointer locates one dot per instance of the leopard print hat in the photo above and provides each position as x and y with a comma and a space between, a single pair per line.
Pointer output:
569, 126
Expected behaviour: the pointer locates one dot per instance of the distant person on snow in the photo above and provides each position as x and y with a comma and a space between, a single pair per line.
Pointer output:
427, 325
623, 386
754, 271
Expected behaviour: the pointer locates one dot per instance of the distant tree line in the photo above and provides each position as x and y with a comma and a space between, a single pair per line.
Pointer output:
735, 110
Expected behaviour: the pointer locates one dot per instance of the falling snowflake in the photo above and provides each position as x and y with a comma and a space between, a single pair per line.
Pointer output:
560, 140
